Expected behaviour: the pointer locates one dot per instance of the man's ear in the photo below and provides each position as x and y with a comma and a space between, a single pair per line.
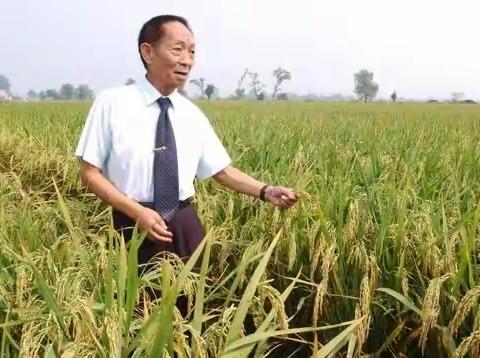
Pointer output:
146, 51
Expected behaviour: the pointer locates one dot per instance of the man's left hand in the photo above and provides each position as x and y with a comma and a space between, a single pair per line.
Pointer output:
281, 196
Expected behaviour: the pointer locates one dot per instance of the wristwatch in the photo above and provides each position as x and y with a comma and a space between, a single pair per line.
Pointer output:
262, 192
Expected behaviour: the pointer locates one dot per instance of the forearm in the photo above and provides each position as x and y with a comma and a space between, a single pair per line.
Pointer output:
108, 193
239, 181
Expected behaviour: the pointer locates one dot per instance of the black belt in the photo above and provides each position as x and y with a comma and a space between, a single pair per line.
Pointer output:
181, 204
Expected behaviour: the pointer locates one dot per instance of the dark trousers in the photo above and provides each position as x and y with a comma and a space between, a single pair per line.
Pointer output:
185, 227
187, 232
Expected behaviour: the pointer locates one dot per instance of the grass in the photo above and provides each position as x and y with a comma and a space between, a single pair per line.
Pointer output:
380, 256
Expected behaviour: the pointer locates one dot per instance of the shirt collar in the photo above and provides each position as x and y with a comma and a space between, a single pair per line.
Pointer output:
150, 94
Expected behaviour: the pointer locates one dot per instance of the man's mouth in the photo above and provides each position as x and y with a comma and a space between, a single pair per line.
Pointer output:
181, 73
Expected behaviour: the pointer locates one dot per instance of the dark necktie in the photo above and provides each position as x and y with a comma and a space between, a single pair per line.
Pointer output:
165, 167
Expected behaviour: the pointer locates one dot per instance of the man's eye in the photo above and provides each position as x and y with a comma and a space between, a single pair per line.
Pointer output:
192, 52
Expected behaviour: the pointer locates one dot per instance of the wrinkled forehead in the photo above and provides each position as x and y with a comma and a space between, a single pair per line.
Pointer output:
174, 32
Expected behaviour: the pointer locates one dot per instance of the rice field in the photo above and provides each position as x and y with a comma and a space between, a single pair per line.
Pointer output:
379, 258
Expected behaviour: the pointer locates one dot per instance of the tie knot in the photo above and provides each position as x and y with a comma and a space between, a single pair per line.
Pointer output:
164, 103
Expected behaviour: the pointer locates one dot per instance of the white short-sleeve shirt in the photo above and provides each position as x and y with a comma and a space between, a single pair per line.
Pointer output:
119, 138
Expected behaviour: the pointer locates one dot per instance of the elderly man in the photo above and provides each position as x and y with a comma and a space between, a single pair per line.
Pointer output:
143, 145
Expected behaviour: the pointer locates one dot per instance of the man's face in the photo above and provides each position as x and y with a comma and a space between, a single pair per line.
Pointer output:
171, 59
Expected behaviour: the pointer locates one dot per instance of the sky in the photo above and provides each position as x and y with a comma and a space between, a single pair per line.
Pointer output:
421, 49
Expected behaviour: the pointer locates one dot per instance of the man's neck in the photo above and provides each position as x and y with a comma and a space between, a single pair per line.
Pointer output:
164, 90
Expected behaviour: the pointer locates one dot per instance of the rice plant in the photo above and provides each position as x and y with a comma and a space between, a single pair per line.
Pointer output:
380, 256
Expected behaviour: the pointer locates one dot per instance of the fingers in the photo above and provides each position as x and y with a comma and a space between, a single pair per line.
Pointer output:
151, 221
288, 196
288, 192
158, 237
160, 232
283, 197
157, 229
281, 202
286, 201
292, 195
154, 236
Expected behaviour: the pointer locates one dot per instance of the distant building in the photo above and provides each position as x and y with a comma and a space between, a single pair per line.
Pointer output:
4, 95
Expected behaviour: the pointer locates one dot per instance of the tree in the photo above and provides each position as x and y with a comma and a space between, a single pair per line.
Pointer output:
261, 96
280, 75
83, 92
42, 96
282, 97
5, 83
457, 96
200, 83
393, 96
210, 90
365, 87
239, 93
129, 81
240, 90
32, 94
52, 94
256, 85
66, 91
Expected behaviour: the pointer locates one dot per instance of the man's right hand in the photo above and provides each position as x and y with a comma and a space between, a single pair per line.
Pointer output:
147, 219
150, 221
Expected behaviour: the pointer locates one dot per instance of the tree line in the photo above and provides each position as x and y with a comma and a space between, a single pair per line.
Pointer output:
66, 92
249, 86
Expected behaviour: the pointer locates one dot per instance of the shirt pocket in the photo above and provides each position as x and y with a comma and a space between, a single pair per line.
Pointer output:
132, 149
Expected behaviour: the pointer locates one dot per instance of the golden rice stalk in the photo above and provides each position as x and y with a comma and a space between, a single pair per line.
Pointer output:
225, 252
21, 285
275, 298
374, 273
292, 250
180, 345
328, 261
331, 230
29, 345
352, 220
405, 286
313, 243
327, 265
317, 309
216, 334
476, 326
431, 308
455, 216
450, 257
367, 288
113, 331
358, 255
199, 343
190, 290
469, 345
468, 301
316, 252
363, 310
